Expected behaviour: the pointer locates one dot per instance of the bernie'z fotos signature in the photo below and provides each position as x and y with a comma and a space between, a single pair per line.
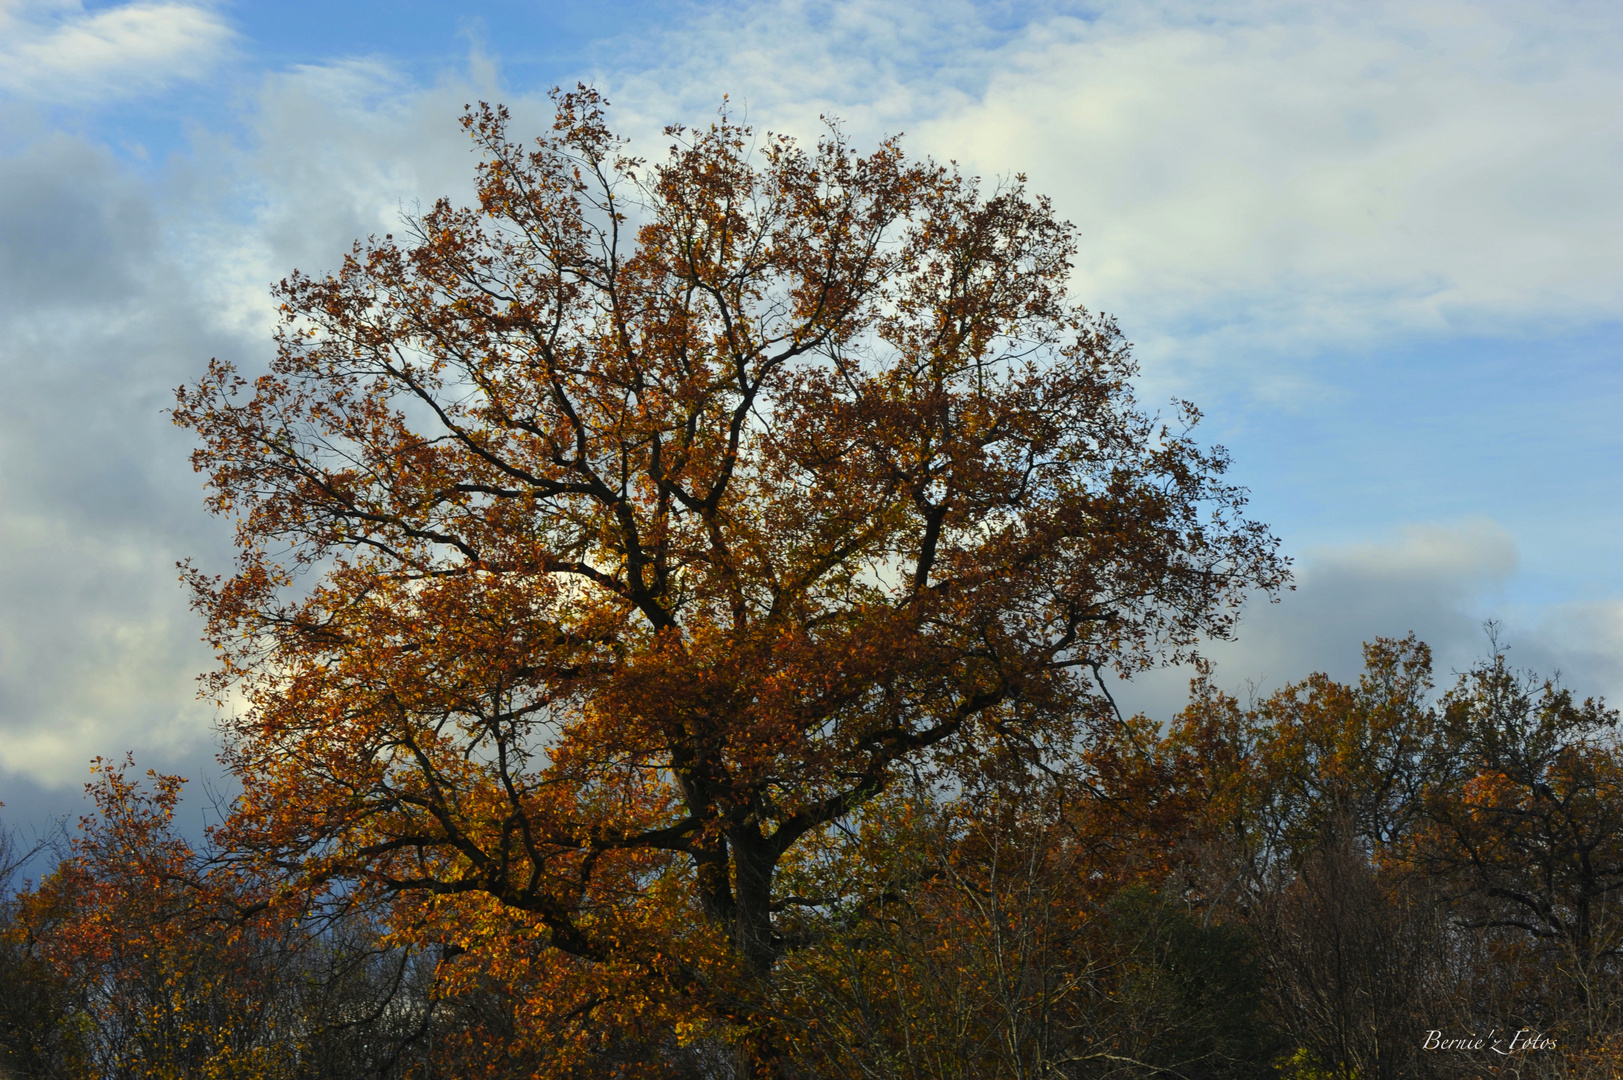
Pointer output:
1524, 1039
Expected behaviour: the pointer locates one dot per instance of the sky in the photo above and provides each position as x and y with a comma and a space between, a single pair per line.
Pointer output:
1380, 245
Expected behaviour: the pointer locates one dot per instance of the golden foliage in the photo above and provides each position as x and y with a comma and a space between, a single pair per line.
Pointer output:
602, 543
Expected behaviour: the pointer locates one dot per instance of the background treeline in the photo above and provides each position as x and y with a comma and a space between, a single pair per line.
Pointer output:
1306, 885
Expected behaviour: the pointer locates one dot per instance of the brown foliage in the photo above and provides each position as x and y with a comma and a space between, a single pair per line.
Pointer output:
1348, 867
604, 543
1524, 829
1024, 947
156, 971
1411, 865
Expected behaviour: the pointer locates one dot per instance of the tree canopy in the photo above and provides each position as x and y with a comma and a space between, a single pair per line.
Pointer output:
602, 546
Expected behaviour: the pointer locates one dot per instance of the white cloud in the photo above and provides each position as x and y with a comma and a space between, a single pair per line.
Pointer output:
1405, 169
58, 51
1246, 177
330, 153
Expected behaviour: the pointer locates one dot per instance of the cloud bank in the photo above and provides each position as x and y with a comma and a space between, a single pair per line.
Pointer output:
1440, 581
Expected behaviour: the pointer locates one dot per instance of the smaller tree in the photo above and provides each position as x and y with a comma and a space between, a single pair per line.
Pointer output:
1297, 809
39, 1036
163, 976
1358, 961
1525, 827
1017, 936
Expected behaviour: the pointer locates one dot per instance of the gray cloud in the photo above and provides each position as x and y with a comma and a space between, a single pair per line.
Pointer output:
72, 231
114, 290
97, 325
1431, 579
1442, 582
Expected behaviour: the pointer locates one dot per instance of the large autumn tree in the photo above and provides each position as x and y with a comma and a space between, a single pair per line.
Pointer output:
603, 544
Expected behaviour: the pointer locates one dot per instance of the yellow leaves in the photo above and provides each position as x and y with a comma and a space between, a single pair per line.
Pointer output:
146, 938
